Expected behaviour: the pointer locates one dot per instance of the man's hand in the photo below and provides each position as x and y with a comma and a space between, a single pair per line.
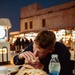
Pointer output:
27, 55
31, 59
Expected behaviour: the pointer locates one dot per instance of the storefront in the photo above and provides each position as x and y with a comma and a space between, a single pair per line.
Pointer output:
66, 36
62, 35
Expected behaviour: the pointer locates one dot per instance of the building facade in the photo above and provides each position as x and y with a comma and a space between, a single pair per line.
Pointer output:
35, 18
60, 19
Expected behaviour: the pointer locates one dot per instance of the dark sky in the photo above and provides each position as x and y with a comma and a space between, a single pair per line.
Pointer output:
11, 9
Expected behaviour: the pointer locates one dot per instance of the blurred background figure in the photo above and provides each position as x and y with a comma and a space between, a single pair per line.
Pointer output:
26, 42
30, 41
69, 43
17, 44
61, 40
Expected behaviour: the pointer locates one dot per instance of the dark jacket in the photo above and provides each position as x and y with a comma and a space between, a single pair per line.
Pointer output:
63, 56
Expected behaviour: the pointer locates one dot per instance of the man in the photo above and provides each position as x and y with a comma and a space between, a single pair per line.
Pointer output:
43, 47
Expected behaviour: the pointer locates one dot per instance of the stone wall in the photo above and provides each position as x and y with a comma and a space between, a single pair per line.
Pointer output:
57, 17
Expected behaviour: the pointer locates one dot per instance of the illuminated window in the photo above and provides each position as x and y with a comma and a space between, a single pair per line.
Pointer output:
4, 51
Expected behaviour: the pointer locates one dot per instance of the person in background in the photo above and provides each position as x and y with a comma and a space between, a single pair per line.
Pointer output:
41, 49
17, 44
26, 42
30, 41
69, 43
22, 43
61, 40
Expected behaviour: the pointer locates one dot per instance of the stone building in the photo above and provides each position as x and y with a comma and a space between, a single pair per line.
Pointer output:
35, 18
60, 19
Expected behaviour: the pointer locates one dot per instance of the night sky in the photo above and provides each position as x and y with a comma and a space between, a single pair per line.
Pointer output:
11, 9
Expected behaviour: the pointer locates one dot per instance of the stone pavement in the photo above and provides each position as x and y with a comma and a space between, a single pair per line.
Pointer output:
12, 54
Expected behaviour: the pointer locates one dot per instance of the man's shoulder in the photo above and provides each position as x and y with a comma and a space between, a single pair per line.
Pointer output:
61, 46
61, 49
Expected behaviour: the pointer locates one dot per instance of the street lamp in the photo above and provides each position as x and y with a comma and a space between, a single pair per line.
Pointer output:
6, 24
4, 43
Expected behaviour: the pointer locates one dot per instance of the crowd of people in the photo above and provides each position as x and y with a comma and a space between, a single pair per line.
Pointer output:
21, 43
69, 43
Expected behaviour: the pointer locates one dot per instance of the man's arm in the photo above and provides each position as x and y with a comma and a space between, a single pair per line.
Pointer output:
64, 58
65, 64
18, 61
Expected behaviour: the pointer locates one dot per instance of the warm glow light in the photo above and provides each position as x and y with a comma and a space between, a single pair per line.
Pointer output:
31, 36
4, 51
2, 32
21, 35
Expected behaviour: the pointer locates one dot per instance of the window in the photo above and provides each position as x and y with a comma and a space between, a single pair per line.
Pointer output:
43, 22
31, 25
26, 27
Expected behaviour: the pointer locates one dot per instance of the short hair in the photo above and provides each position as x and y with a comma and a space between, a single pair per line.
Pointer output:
45, 39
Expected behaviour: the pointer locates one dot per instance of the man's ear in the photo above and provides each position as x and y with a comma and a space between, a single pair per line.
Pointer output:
51, 50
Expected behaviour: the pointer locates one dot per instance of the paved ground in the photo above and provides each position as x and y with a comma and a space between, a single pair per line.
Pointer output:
12, 54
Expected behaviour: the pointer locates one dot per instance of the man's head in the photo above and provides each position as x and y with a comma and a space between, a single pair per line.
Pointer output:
44, 43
